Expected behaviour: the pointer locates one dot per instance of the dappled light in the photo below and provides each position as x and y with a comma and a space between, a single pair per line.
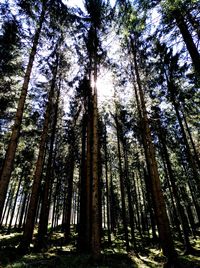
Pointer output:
99, 133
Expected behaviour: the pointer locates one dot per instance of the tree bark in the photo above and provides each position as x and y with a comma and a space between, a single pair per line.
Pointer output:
191, 139
12, 146
171, 89
122, 187
180, 211
95, 230
44, 212
165, 236
14, 204
192, 49
29, 225
107, 186
82, 218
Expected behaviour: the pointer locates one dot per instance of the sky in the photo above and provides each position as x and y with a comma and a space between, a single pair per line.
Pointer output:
104, 81
80, 4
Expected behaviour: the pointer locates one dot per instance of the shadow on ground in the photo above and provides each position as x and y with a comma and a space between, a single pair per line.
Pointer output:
11, 258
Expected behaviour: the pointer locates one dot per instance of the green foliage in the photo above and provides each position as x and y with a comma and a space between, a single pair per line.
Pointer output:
64, 256
10, 64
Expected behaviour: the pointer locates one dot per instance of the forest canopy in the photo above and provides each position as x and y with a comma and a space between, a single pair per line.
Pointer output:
99, 130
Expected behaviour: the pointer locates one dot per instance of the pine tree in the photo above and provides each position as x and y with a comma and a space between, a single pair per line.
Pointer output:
10, 154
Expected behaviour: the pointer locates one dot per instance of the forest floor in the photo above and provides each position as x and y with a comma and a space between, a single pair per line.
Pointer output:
60, 256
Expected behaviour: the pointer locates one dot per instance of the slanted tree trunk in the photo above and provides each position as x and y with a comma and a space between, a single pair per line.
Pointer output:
191, 139
12, 146
194, 22
187, 37
15, 202
171, 89
29, 225
44, 212
146, 175
24, 203
180, 211
7, 206
172, 204
165, 236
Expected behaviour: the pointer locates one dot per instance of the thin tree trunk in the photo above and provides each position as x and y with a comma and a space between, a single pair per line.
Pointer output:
12, 146
96, 227
88, 184
122, 188
128, 188
112, 203
192, 49
174, 214
6, 206
181, 214
165, 236
23, 206
188, 151
69, 193
29, 226
83, 196
107, 188
14, 204
44, 213
151, 211
191, 140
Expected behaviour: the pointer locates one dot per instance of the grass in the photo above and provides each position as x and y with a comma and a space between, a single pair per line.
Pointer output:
59, 255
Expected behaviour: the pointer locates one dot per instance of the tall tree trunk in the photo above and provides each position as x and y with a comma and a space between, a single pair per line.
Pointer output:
146, 176
191, 139
6, 207
128, 188
165, 236
172, 204
171, 89
113, 212
44, 212
88, 183
122, 187
187, 37
69, 193
180, 211
95, 212
194, 22
83, 196
29, 226
71, 166
15, 202
107, 186
150, 206
23, 208
12, 146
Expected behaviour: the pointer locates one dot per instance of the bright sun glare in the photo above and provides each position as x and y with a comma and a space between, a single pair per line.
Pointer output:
105, 87
104, 80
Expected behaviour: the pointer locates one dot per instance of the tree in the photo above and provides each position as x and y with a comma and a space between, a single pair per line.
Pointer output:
166, 241
30, 220
10, 153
